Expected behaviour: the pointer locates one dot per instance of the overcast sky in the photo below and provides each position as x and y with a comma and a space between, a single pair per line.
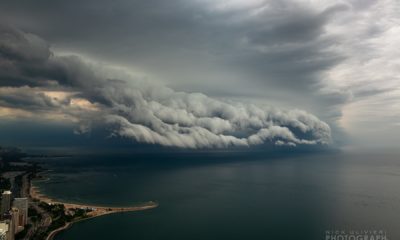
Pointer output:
263, 68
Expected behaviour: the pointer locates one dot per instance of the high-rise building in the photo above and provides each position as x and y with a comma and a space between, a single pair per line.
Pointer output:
15, 220
5, 202
3, 235
11, 233
6, 232
22, 205
3, 230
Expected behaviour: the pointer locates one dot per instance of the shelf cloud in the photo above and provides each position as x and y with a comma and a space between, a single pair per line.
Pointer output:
34, 79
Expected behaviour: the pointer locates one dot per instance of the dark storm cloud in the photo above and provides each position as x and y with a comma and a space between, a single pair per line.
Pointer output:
296, 26
19, 46
27, 98
195, 46
163, 36
287, 49
26, 60
17, 49
142, 111
320, 56
287, 66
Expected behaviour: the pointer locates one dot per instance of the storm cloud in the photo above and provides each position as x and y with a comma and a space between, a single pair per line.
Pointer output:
35, 79
336, 60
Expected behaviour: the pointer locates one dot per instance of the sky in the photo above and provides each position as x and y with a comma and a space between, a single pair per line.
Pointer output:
203, 73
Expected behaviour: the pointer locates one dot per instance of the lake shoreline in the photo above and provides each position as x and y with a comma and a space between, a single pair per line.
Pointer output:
93, 210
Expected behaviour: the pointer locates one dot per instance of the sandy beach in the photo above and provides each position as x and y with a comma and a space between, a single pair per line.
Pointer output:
96, 211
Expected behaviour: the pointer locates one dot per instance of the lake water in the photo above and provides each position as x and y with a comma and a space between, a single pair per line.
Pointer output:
231, 196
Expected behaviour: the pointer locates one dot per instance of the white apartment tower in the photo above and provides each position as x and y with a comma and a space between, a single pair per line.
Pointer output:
22, 205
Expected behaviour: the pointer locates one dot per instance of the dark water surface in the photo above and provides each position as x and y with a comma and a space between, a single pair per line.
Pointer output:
231, 196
